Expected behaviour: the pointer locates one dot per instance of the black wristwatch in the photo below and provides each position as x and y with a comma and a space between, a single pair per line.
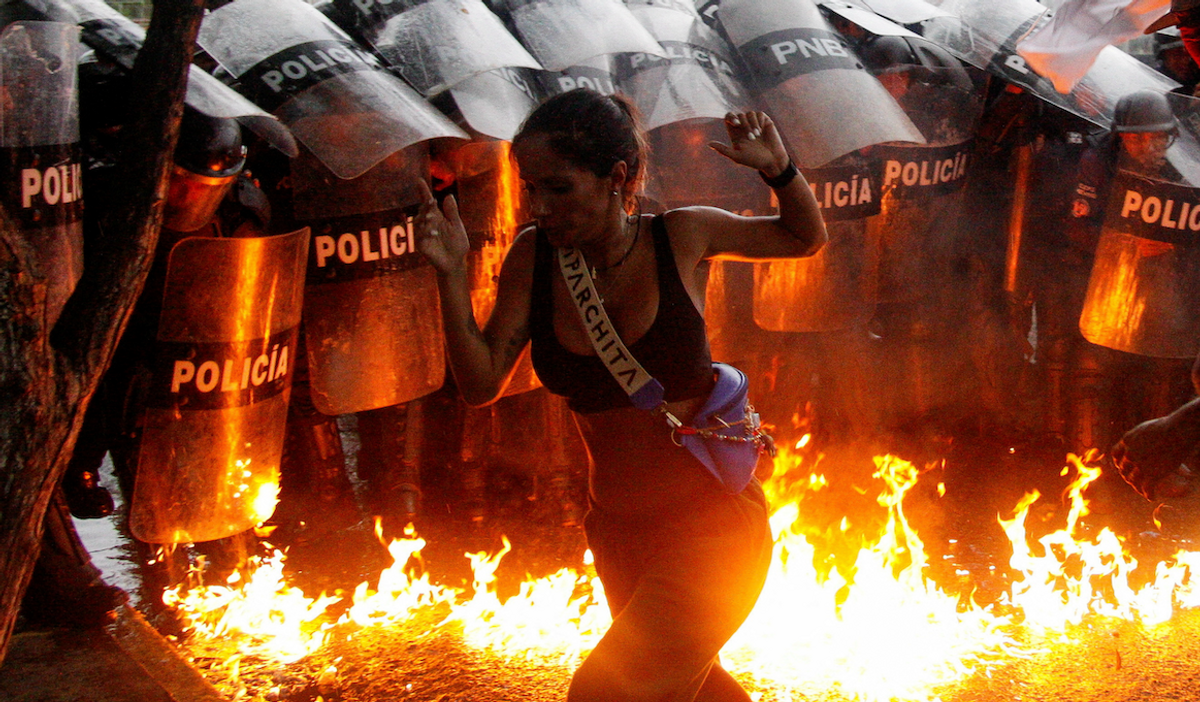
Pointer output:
785, 176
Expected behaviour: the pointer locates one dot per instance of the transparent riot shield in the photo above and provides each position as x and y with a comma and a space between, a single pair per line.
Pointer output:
683, 170
683, 97
921, 189
39, 140
290, 60
120, 39
492, 209
435, 44
810, 81
905, 12
985, 34
217, 409
1143, 295
565, 33
372, 324
834, 289
693, 79
870, 20
495, 103
595, 74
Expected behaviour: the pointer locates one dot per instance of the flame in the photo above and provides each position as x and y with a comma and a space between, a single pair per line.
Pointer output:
545, 620
1075, 577
268, 617
265, 500
399, 592
889, 634
503, 227
873, 627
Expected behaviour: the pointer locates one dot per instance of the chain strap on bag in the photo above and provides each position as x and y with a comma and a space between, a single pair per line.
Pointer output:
729, 438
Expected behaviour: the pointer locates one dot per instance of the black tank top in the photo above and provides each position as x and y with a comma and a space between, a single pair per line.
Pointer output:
674, 349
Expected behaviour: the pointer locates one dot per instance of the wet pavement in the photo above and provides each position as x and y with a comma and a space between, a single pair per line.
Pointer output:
126, 661
418, 660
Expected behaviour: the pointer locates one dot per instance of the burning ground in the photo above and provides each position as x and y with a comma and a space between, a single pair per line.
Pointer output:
978, 577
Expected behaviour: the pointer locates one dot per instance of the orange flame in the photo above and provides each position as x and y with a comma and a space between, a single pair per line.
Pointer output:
503, 228
881, 630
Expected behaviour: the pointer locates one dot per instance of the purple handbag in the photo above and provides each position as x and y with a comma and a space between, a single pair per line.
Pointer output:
727, 436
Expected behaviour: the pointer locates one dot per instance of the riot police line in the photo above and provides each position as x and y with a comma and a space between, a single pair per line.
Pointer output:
303, 256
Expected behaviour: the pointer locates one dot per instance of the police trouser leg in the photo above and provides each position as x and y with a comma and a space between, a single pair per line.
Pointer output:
474, 449
389, 458
81, 481
1090, 398
1055, 360
562, 483
314, 486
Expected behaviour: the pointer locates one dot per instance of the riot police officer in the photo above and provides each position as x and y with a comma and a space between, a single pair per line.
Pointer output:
920, 228
1102, 378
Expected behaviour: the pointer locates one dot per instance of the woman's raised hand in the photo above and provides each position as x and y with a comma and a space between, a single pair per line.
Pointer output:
441, 237
753, 142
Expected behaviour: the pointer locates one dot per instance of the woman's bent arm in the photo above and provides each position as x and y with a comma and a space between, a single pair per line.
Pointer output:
797, 230
481, 361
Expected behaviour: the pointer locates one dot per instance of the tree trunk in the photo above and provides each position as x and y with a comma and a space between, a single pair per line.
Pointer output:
47, 377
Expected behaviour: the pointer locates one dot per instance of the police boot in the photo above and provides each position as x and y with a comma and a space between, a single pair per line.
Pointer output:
389, 459
1090, 417
406, 484
315, 493
219, 559
1055, 387
328, 480
475, 448
1090, 399
86, 498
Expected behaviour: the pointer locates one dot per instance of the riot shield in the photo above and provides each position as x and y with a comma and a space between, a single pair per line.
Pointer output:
905, 12
119, 39
1143, 295
595, 74
875, 23
565, 33
810, 81
694, 78
435, 44
217, 409
683, 170
834, 289
371, 318
922, 187
294, 63
495, 103
985, 35
39, 135
492, 207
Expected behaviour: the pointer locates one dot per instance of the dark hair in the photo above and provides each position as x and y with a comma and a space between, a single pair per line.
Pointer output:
593, 131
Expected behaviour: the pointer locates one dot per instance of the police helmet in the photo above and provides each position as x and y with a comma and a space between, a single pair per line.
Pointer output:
208, 158
883, 54
1143, 111
209, 146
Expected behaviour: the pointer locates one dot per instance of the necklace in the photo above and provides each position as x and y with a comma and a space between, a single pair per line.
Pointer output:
624, 257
